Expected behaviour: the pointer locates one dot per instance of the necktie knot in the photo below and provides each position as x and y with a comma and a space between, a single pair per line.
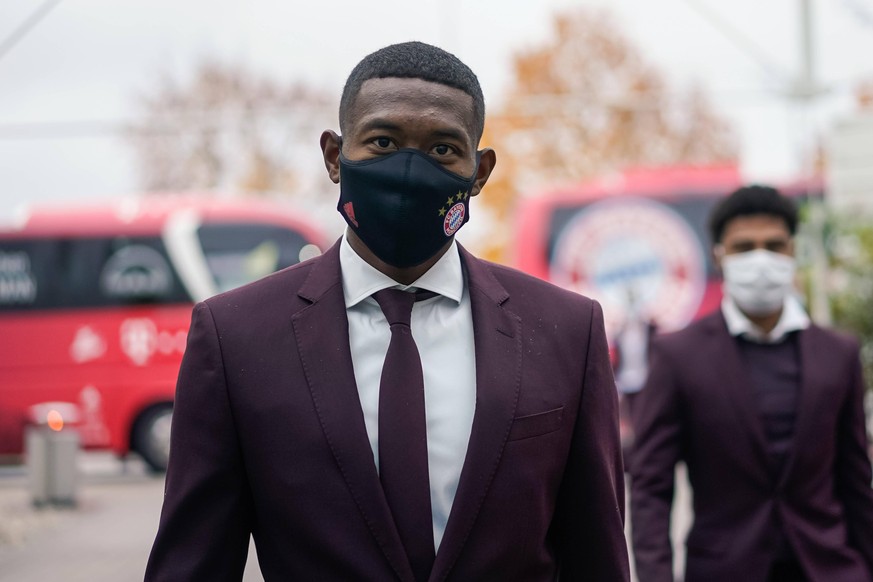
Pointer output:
396, 305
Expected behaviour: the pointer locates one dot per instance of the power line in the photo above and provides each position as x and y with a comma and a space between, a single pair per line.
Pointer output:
737, 37
29, 23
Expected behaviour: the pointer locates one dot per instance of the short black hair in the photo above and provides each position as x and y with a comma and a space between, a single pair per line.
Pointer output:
415, 60
751, 200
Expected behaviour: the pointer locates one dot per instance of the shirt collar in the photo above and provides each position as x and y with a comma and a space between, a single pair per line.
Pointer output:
361, 280
793, 318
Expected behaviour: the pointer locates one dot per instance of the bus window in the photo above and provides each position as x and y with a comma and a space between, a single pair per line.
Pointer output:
137, 272
68, 273
25, 269
238, 253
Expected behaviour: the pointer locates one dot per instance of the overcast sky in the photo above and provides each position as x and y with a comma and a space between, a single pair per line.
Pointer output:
86, 61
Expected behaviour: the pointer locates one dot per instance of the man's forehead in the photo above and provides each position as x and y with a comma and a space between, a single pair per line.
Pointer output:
412, 86
405, 97
757, 227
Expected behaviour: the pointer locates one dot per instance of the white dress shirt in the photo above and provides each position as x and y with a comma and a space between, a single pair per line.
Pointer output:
443, 331
793, 318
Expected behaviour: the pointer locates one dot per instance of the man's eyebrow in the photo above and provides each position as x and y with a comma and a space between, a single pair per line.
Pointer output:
380, 124
455, 134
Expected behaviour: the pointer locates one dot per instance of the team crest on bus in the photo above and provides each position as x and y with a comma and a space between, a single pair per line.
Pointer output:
634, 255
454, 219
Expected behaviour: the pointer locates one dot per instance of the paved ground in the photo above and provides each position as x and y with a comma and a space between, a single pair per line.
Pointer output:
107, 537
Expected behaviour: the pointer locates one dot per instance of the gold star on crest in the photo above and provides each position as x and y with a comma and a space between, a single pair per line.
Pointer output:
462, 195
442, 211
450, 200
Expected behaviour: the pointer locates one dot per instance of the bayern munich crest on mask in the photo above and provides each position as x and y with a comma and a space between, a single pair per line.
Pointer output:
454, 219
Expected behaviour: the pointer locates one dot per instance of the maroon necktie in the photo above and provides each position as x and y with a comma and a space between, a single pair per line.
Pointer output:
403, 435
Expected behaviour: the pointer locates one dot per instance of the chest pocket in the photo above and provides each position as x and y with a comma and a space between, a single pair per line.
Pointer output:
533, 425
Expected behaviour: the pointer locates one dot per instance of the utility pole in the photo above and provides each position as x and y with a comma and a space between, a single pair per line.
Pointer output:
806, 90
807, 71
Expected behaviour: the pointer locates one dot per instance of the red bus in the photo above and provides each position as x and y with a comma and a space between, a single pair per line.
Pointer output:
95, 303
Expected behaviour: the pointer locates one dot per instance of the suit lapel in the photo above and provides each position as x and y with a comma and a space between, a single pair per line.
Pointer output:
812, 377
322, 336
498, 345
730, 372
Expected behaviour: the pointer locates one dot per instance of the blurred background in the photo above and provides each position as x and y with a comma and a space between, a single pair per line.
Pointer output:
616, 123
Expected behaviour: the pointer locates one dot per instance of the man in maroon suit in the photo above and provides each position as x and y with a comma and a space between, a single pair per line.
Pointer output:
495, 455
766, 410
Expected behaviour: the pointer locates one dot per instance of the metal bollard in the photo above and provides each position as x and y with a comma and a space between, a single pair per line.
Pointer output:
52, 446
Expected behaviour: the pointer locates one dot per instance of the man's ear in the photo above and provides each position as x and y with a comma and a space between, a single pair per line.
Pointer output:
717, 252
330, 149
487, 161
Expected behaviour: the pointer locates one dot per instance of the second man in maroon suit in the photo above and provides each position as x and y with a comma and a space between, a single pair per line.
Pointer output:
766, 410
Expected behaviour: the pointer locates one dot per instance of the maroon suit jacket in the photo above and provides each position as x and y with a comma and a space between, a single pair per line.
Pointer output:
268, 438
698, 406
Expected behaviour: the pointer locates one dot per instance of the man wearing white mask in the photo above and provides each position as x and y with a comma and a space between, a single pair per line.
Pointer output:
766, 410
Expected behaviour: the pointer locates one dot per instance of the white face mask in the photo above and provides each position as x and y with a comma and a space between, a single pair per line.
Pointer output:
758, 281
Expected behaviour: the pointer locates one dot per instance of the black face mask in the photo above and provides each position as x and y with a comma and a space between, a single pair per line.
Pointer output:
404, 206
